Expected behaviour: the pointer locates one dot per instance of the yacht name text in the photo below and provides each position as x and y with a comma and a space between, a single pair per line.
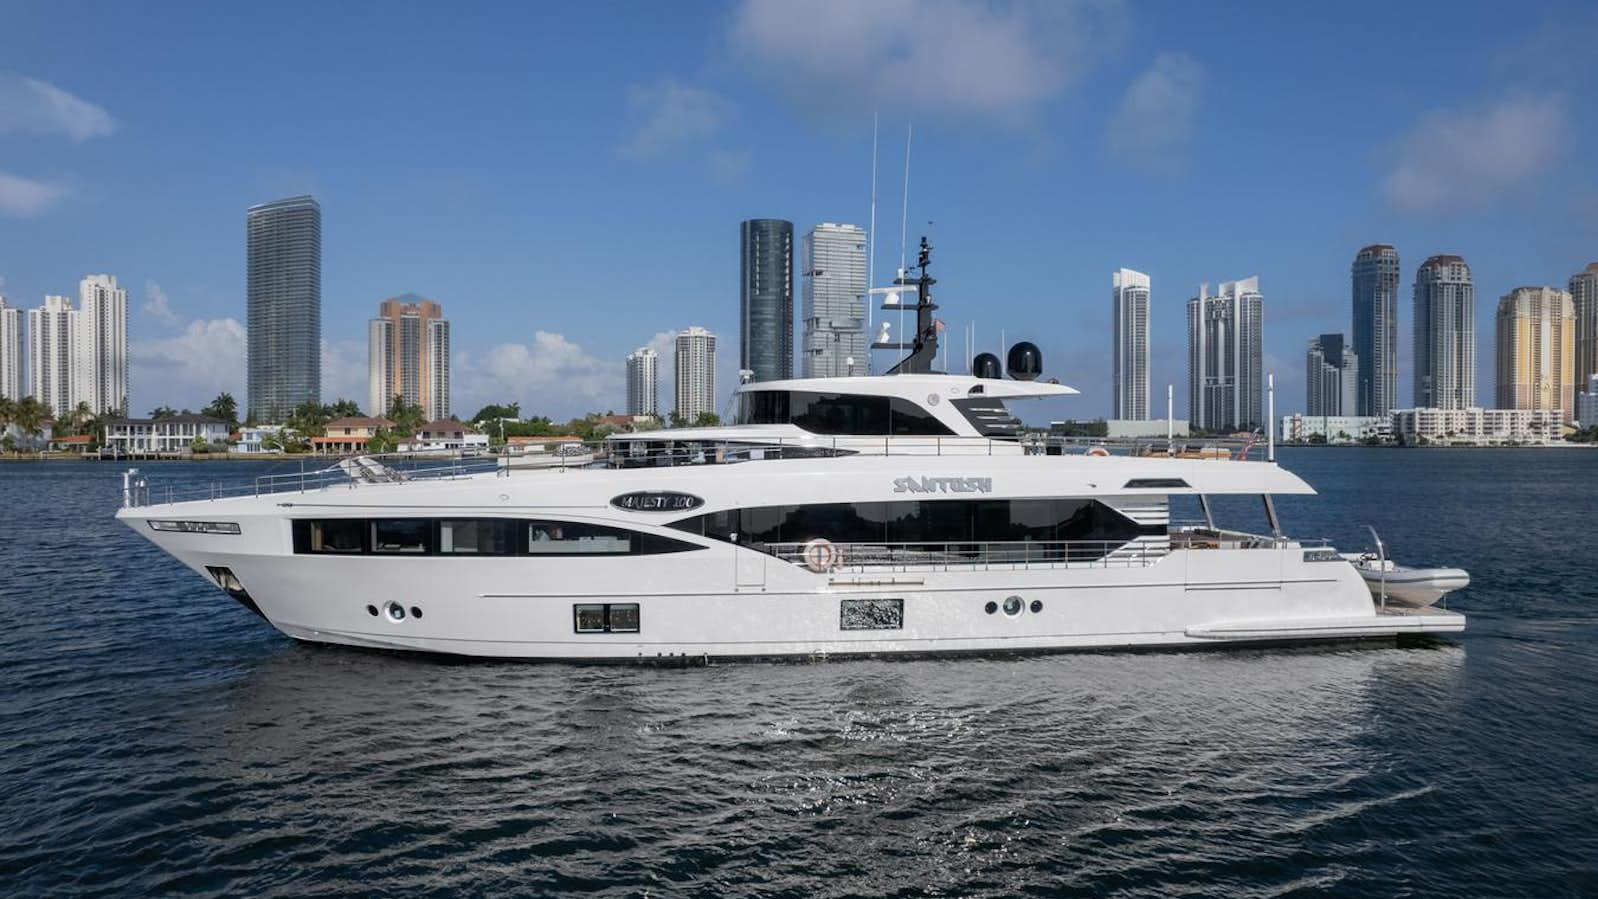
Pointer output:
943, 485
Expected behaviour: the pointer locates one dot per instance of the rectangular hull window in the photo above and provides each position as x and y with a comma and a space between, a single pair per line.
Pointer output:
871, 614
605, 618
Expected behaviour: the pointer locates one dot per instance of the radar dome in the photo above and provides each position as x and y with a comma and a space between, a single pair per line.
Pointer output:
1026, 361
986, 365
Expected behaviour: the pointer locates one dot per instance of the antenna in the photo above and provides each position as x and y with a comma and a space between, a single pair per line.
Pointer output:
904, 213
871, 244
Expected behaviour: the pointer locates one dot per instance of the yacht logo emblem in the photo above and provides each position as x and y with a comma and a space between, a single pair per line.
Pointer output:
943, 485
657, 501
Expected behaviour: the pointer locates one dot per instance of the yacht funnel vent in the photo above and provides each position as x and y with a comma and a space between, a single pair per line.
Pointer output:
1026, 361
986, 365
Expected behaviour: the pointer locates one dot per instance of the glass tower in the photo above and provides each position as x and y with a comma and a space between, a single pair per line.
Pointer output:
1445, 334
283, 248
1375, 279
1225, 336
765, 299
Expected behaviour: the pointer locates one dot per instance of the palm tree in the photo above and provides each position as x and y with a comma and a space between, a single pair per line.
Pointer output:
29, 416
8, 410
224, 407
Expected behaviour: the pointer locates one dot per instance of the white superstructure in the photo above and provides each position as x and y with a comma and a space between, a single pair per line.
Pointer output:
905, 513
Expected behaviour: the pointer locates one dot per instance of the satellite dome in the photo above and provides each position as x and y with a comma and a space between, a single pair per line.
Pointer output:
986, 365
1026, 361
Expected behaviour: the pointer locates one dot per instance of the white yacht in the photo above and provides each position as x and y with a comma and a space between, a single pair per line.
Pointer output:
902, 513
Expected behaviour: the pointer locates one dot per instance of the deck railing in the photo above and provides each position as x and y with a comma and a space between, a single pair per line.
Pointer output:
346, 473
979, 555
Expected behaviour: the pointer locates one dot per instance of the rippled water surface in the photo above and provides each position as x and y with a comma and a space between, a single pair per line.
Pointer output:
157, 739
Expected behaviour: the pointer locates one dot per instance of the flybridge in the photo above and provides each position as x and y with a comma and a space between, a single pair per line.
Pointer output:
943, 485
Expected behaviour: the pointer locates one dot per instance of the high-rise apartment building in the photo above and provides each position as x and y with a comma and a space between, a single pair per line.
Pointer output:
10, 352
695, 373
1225, 357
765, 299
1587, 404
1445, 334
53, 335
1331, 377
102, 354
833, 264
1584, 293
1375, 338
643, 382
1536, 358
408, 357
1130, 372
283, 249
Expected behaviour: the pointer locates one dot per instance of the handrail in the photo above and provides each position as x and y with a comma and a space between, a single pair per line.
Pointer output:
981, 555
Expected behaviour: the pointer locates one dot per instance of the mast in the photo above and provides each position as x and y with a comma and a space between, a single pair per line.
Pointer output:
924, 347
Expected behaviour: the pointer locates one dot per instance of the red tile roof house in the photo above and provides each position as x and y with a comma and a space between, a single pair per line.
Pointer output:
349, 435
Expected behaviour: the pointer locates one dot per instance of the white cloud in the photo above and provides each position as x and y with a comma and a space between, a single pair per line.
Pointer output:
23, 197
30, 106
188, 370
1158, 114
943, 57
156, 303
668, 115
345, 372
1462, 158
551, 376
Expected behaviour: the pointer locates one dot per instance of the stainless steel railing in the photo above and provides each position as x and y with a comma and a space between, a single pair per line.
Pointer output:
981, 555
395, 468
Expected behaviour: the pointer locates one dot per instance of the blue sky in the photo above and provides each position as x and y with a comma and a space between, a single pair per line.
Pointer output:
567, 180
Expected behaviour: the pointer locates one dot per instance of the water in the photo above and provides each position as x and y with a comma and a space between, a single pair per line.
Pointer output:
157, 739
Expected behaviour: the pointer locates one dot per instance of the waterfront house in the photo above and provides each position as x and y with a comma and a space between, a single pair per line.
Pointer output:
77, 444
174, 434
538, 446
445, 436
252, 438
349, 435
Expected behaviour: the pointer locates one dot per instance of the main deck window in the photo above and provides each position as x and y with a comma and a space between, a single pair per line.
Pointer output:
474, 537
839, 414
924, 522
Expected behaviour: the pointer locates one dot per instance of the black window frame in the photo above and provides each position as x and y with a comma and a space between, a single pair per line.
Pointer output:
512, 538
607, 612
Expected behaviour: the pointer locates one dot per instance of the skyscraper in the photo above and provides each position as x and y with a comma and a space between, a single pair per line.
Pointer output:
1375, 338
1445, 334
53, 335
10, 352
643, 382
765, 299
283, 249
102, 353
1130, 373
408, 357
1225, 357
695, 372
833, 263
1331, 377
1536, 358
1584, 293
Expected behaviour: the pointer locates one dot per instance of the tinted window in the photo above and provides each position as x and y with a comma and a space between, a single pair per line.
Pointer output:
837, 414
475, 537
401, 535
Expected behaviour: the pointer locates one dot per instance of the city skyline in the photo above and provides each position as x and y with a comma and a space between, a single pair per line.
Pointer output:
682, 141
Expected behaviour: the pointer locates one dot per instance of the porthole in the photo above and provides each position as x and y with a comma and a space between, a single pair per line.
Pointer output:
396, 612
1012, 606
371, 610
1037, 606
416, 611
991, 607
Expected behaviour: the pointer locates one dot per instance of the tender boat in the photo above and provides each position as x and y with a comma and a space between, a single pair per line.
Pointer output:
1413, 587
895, 514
